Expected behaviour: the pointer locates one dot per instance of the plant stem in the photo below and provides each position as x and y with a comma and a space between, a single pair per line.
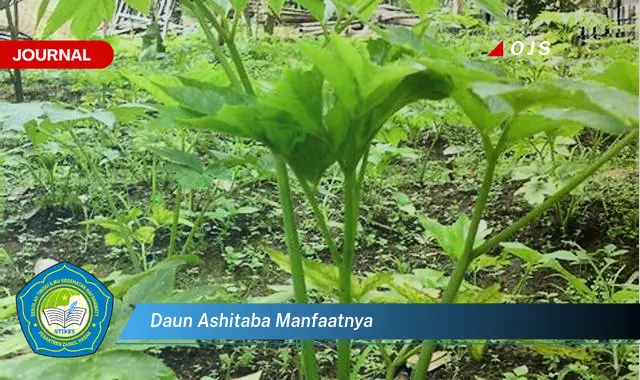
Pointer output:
467, 257
321, 218
13, 29
549, 202
362, 172
233, 50
351, 206
154, 181
309, 364
200, 12
384, 353
174, 223
242, 72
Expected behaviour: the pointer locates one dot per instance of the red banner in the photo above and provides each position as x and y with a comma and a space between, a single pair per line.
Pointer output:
55, 54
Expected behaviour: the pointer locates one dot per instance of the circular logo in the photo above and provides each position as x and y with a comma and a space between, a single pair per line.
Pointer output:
64, 311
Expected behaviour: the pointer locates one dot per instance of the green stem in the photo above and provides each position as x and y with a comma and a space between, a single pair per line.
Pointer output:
154, 181
351, 206
200, 11
405, 353
321, 218
174, 224
362, 172
196, 226
309, 364
463, 263
549, 202
237, 61
384, 353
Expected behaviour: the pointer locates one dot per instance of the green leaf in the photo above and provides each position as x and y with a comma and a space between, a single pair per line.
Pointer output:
299, 94
204, 98
331, 113
617, 103
7, 307
283, 294
179, 157
625, 296
521, 371
85, 16
109, 365
565, 101
238, 5
371, 284
141, 6
422, 7
151, 288
477, 350
326, 277
160, 215
536, 190
323, 276
315, 7
565, 255
452, 238
622, 75
412, 294
13, 344
561, 351
14, 116
120, 364
276, 6
42, 8
534, 258
188, 178
145, 234
119, 283
115, 238
490, 294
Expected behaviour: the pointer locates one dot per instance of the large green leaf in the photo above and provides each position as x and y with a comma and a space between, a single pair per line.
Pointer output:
621, 75
368, 94
119, 283
553, 104
85, 16
101, 366
311, 118
122, 363
151, 288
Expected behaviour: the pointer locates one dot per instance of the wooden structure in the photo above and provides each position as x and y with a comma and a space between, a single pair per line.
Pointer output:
128, 20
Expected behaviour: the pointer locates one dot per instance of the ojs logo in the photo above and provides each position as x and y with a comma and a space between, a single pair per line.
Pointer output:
519, 47
64, 311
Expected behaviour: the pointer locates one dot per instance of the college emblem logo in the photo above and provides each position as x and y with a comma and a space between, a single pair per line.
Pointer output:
64, 311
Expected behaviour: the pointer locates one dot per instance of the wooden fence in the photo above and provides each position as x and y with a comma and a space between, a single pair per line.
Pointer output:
623, 15
624, 18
